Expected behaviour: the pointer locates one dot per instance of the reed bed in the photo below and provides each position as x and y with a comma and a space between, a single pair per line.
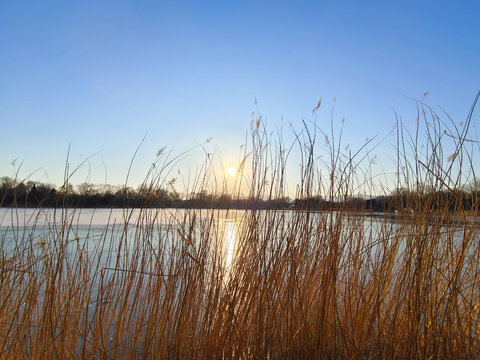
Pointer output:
337, 283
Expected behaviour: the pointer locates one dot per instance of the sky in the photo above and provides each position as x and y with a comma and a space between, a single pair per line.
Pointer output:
95, 80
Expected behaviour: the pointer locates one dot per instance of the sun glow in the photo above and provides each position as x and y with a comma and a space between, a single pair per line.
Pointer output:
231, 171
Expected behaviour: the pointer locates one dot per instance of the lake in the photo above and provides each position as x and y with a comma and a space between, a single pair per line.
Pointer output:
125, 282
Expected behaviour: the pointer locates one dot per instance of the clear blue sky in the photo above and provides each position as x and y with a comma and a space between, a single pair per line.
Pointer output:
100, 74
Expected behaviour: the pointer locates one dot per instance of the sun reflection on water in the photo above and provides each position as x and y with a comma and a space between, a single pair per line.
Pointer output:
230, 240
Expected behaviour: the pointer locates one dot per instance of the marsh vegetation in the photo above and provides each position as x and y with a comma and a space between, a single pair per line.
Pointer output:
336, 283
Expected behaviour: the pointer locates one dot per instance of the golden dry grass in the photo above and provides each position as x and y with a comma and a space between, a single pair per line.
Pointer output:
302, 284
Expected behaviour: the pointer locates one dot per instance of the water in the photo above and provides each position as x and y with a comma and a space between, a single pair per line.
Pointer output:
114, 240
142, 258
104, 231
158, 230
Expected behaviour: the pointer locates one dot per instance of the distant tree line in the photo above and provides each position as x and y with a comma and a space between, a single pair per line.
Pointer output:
86, 195
401, 200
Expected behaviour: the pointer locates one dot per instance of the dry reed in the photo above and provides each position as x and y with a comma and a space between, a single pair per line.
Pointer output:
303, 283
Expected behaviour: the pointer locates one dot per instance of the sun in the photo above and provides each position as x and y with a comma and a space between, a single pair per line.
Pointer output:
231, 171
